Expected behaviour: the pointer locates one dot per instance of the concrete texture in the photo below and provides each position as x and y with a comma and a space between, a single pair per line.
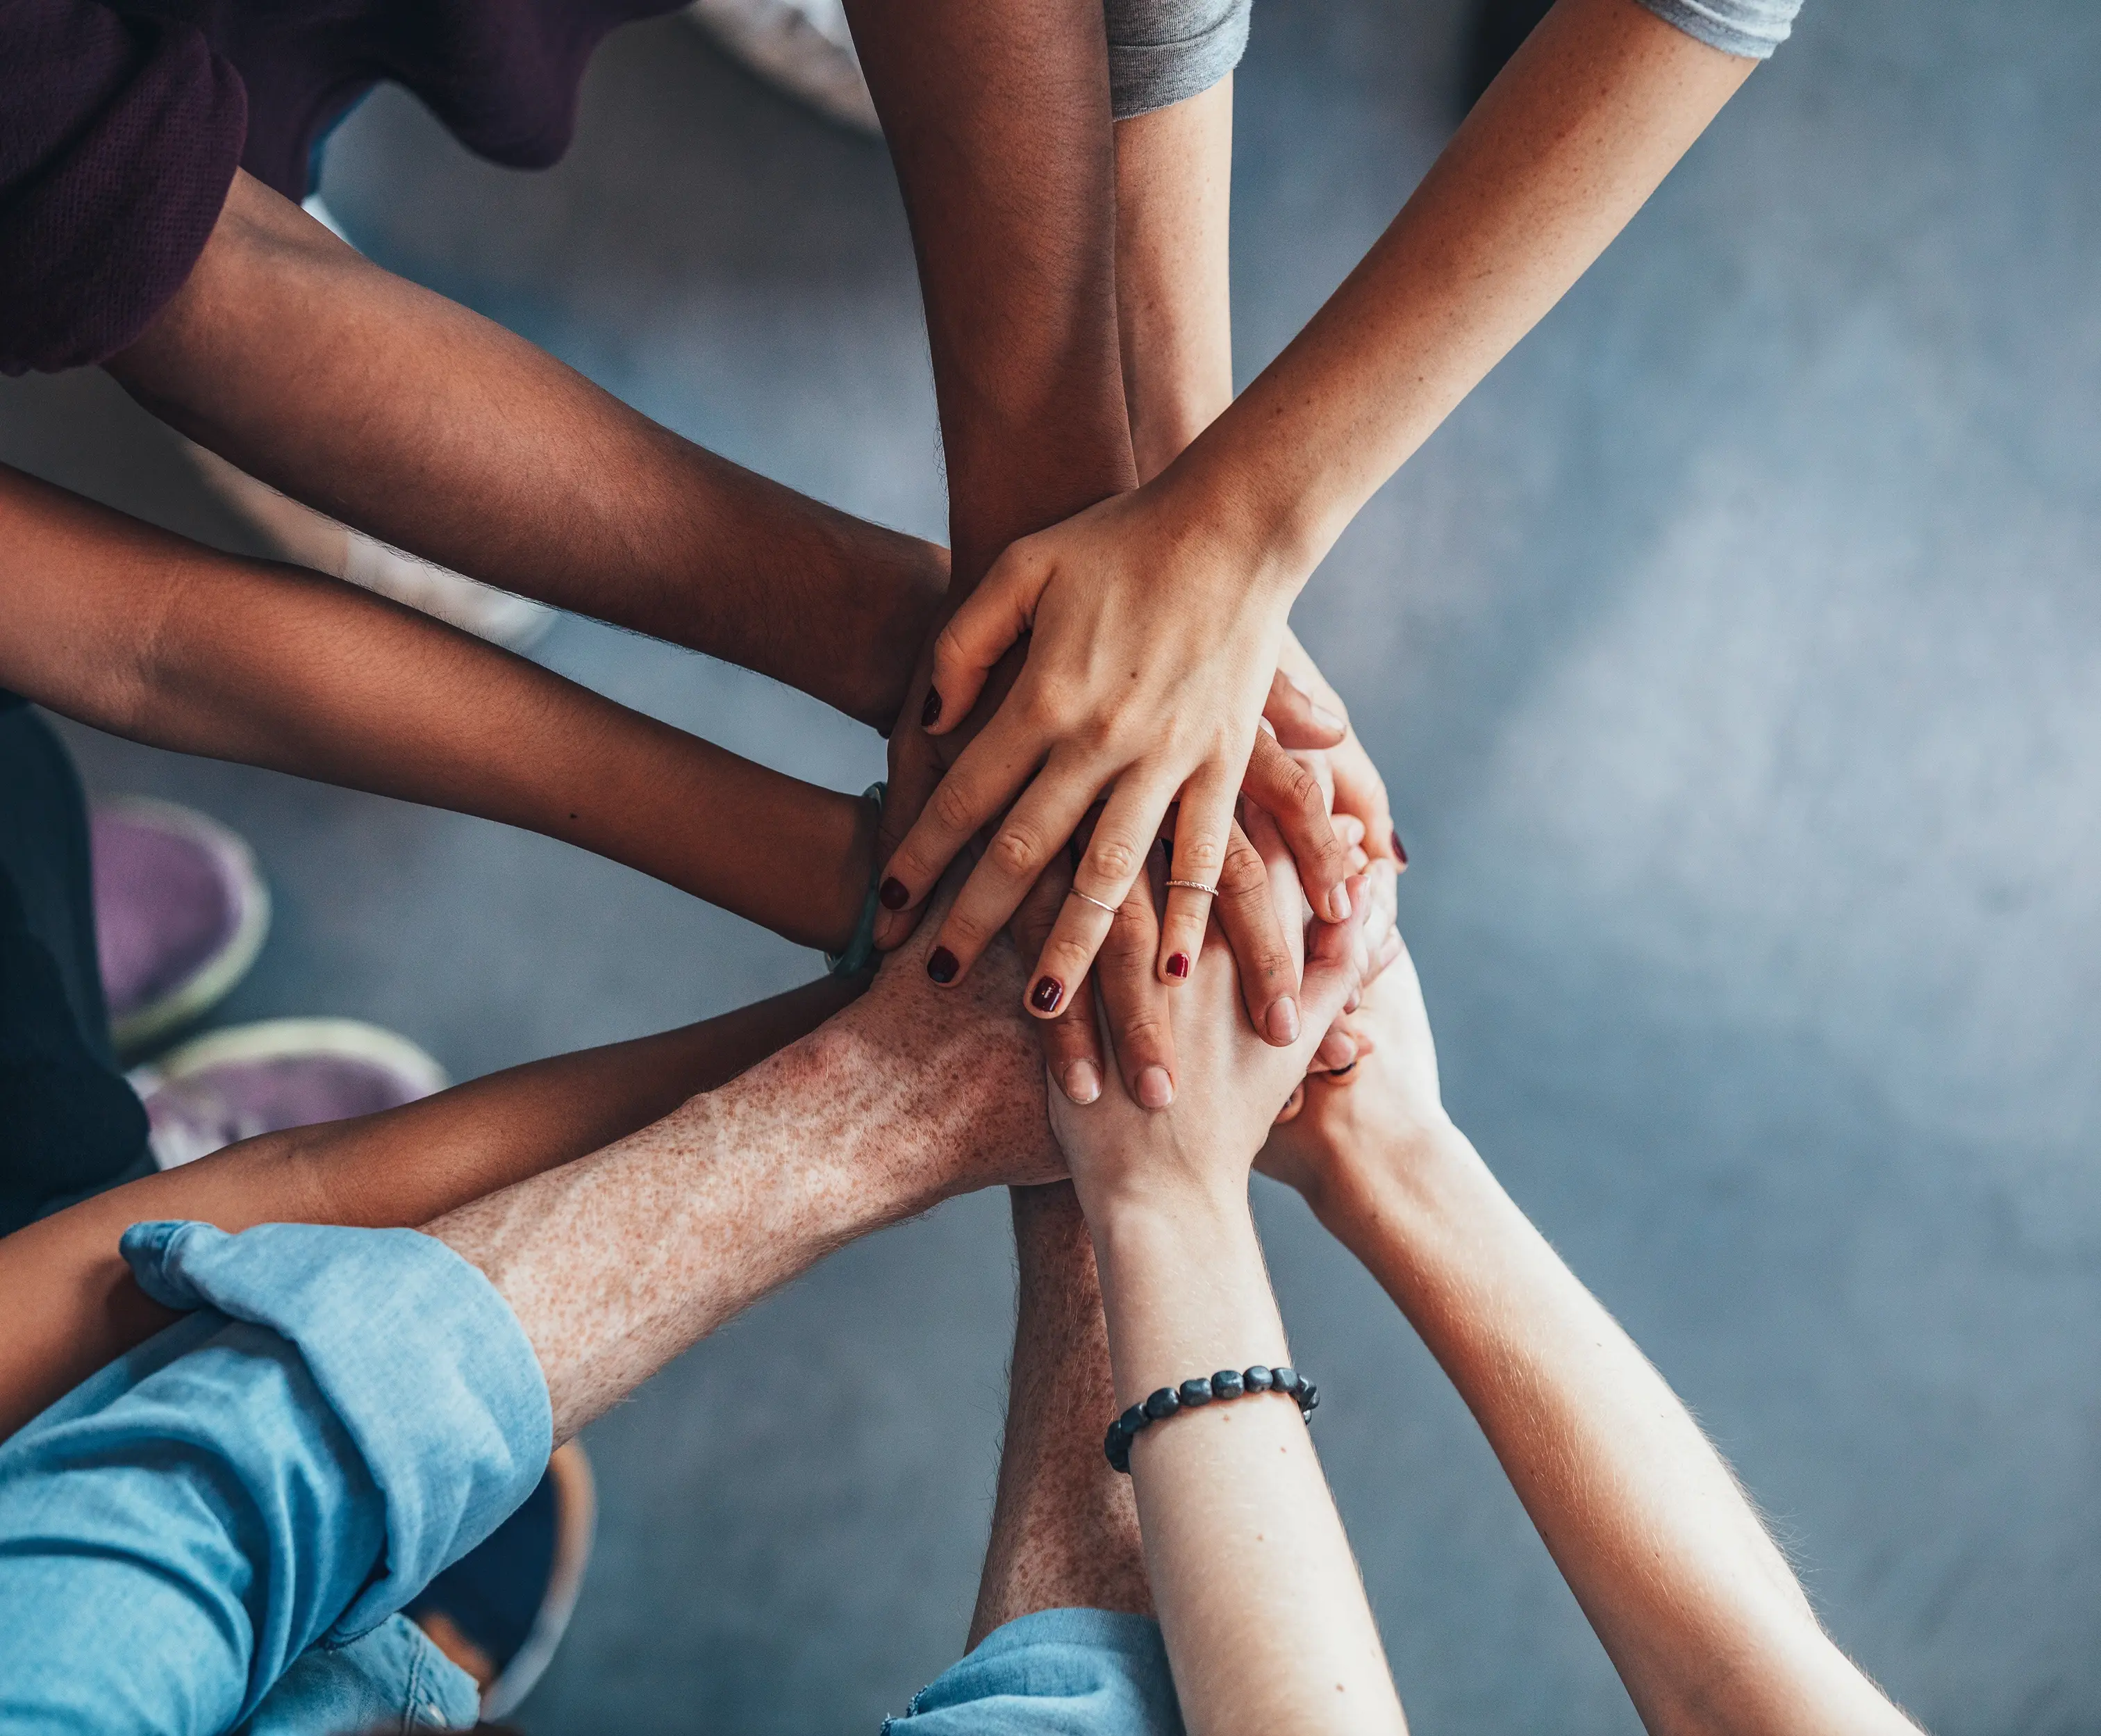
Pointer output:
1732, 655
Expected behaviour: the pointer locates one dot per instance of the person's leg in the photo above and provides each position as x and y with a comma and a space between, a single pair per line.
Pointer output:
1064, 1527
68, 1123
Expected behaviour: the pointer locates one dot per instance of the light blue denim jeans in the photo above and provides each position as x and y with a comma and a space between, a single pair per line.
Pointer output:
1058, 1672
219, 1529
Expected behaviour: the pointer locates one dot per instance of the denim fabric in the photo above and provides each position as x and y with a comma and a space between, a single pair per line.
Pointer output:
1058, 1672
392, 1679
347, 1413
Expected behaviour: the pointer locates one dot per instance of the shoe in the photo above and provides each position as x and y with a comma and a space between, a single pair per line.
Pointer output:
247, 1080
180, 913
500, 1610
801, 46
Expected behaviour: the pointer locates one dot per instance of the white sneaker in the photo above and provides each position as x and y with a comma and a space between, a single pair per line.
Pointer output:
804, 47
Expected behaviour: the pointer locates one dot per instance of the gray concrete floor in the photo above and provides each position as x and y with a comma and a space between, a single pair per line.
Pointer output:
1732, 655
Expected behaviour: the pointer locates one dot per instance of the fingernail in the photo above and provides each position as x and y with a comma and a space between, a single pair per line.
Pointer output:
1283, 1020
1083, 1082
893, 894
1343, 1050
1327, 719
1178, 964
1399, 851
1047, 994
1338, 903
929, 713
1156, 1090
941, 964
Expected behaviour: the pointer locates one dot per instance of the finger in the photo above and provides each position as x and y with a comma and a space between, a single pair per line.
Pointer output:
1033, 834
1362, 790
1203, 829
992, 618
1071, 1043
1334, 965
1291, 795
1133, 999
1300, 720
915, 773
1382, 935
1261, 943
1114, 858
984, 779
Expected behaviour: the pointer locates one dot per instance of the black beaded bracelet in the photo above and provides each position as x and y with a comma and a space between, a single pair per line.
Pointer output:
1227, 1383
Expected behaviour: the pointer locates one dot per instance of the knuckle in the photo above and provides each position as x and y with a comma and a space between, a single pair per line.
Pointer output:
1197, 855
952, 807
1015, 853
1143, 1036
1242, 870
1114, 858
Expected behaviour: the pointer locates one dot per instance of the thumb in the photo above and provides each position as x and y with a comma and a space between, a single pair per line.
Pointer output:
1335, 962
1298, 718
978, 634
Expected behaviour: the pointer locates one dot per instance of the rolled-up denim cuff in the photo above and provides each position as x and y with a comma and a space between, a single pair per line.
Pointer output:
1162, 52
1058, 1672
424, 1363
1752, 28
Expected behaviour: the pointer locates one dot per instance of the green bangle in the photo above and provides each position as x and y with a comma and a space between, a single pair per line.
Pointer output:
859, 952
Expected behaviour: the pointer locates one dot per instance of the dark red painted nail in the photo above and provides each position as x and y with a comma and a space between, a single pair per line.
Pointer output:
1047, 994
1399, 851
929, 713
1178, 964
893, 895
941, 964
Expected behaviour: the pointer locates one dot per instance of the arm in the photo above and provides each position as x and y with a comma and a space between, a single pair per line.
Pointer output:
405, 415
71, 1300
1266, 1622
1696, 1607
1156, 619
142, 634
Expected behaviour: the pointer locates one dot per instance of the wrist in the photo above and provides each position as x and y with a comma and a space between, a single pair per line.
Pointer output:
1242, 497
1399, 1191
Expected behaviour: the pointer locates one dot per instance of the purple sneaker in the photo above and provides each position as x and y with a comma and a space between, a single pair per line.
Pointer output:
235, 1084
180, 911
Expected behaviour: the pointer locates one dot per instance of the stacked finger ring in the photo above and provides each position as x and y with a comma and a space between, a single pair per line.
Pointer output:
1195, 885
1095, 901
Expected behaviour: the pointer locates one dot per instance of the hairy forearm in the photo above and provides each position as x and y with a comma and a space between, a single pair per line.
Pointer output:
1275, 1634
616, 1265
1697, 1608
72, 1304
139, 632
410, 417
1580, 129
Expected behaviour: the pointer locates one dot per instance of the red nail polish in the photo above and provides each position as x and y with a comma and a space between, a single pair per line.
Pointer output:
929, 713
1047, 994
941, 964
1399, 851
892, 896
1178, 964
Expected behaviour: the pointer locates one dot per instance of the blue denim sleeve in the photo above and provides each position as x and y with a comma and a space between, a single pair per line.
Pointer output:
1058, 1672
346, 1412
1751, 27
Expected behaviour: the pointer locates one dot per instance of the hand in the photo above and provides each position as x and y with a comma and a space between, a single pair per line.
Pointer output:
1358, 790
1389, 1095
1149, 656
1233, 1081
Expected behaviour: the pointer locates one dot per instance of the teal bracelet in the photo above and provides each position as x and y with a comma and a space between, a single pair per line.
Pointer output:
860, 951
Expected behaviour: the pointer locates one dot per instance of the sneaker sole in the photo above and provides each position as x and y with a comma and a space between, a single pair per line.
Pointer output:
157, 1021
274, 1039
576, 1524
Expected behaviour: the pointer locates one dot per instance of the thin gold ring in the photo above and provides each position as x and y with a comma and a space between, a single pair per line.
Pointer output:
1195, 885
1111, 908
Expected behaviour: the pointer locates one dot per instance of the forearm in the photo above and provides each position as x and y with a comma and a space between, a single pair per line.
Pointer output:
1265, 1616
142, 634
1580, 129
616, 1264
73, 1303
1698, 1609
997, 119
408, 416
1174, 184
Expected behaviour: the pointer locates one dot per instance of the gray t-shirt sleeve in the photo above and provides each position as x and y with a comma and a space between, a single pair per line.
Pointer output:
1751, 27
1165, 52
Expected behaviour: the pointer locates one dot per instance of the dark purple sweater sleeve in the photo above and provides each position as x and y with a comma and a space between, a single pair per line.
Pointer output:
118, 140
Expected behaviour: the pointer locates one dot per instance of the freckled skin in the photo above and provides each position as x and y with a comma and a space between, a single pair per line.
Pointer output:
618, 1262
